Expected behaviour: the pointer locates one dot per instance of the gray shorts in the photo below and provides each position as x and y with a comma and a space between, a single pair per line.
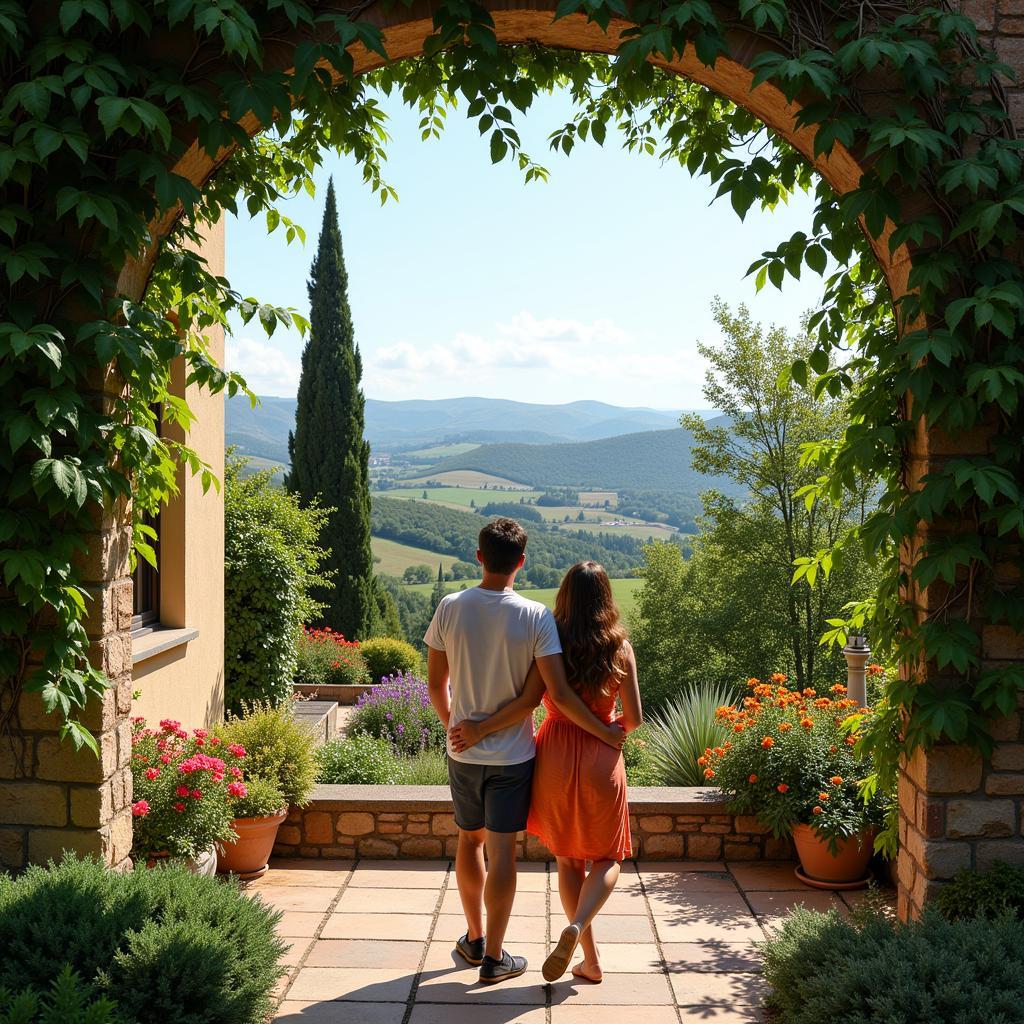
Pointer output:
491, 796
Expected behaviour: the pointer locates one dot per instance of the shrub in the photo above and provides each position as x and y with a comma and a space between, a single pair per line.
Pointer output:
262, 799
163, 944
992, 894
326, 658
399, 711
358, 760
681, 733
272, 562
636, 752
67, 1001
185, 785
277, 747
822, 968
790, 759
429, 768
385, 656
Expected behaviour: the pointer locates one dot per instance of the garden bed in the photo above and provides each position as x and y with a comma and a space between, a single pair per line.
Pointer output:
416, 822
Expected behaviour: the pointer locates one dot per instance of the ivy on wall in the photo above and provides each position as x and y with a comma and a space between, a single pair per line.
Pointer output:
101, 97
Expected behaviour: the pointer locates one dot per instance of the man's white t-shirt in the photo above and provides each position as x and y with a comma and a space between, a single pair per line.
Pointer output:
491, 638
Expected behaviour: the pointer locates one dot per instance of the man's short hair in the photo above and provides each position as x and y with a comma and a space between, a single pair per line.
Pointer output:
502, 544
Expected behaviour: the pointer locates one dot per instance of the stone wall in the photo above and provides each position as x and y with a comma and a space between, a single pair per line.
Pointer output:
415, 822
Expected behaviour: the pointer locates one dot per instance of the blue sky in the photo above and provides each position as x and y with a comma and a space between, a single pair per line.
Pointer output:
595, 285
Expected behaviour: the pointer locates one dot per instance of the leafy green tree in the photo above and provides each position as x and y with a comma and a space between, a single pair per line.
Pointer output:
330, 460
273, 563
439, 589
417, 574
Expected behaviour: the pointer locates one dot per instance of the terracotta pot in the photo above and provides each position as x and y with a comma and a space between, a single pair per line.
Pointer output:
247, 856
848, 864
204, 864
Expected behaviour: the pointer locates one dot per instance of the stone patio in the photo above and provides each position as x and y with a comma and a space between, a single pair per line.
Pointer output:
371, 943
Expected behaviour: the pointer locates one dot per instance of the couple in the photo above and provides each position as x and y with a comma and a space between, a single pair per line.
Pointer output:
493, 656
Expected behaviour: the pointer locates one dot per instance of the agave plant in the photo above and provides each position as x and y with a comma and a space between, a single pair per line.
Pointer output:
686, 727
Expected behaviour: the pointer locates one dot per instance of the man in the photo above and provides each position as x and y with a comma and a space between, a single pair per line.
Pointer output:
482, 643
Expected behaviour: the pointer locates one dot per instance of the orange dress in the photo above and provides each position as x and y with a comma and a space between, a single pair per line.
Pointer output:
579, 807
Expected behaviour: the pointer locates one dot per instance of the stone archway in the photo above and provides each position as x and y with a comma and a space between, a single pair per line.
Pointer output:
948, 816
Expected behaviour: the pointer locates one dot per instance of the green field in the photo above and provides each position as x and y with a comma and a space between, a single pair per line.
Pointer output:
625, 592
395, 557
458, 497
443, 451
642, 531
469, 478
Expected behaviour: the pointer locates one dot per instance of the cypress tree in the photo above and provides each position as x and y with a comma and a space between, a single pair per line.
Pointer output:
329, 456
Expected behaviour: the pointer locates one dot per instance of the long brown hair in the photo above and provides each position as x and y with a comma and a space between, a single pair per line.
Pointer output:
589, 628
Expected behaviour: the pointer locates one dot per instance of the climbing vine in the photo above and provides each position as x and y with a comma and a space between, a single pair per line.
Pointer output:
101, 98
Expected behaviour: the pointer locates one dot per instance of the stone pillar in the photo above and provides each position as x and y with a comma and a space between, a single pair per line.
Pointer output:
52, 797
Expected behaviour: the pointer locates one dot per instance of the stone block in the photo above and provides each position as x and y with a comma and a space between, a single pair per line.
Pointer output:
931, 817
60, 761
1008, 851
390, 816
15, 756
418, 817
45, 844
288, 835
92, 806
451, 847
122, 603
100, 713
1008, 757
1003, 642
372, 847
33, 803
444, 825
778, 849
937, 859
981, 12
655, 823
99, 617
946, 769
317, 827
120, 837
12, 849
33, 715
748, 824
720, 830
1005, 729
422, 848
1012, 26
663, 846
309, 851
703, 847
355, 823
418, 828
971, 818
1009, 784
390, 828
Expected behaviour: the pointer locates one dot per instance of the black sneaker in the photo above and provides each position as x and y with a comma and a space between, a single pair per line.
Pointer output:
492, 971
471, 950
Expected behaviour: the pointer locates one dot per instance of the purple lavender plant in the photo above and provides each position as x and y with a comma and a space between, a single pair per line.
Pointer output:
398, 710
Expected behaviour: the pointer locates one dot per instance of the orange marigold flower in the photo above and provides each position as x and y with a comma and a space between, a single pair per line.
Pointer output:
753, 681
810, 691
709, 773
727, 745
702, 760
816, 810
839, 688
807, 723
779, 677
782, 787
850, 740
836, 780
823, 702
737, 728
785, 726
719, 751
767, 742
752, 779
823, 796
876, 670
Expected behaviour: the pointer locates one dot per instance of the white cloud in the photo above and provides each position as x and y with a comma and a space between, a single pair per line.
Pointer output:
266, 369
526, 355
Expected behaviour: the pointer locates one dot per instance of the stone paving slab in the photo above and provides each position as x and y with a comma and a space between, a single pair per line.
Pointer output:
371, 943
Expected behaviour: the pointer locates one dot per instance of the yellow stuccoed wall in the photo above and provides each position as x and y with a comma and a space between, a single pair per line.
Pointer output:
187, 682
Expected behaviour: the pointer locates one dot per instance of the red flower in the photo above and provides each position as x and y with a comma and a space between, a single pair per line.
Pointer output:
767, 743
817, 810
152, 773
752, 779
836, 780
180, 808
782, 787
709, 773
237, 788
197, 794
140, 808
170, 725
237, 749
181, 791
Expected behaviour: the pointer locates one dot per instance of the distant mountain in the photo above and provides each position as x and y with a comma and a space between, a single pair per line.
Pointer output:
657, 460
392, 426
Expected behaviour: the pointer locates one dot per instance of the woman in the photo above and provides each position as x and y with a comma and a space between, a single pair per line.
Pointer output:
579, 808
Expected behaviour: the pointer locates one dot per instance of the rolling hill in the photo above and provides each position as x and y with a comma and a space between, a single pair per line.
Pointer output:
650, 460
394, 426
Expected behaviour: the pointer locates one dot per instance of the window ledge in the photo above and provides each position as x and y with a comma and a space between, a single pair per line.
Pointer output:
158, 641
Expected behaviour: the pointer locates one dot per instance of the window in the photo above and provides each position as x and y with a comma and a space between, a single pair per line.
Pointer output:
146, 588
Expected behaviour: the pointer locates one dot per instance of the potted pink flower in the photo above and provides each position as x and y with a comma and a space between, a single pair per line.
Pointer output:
185, 785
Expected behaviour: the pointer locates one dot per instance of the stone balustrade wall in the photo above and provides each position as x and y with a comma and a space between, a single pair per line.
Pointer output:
416, 822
